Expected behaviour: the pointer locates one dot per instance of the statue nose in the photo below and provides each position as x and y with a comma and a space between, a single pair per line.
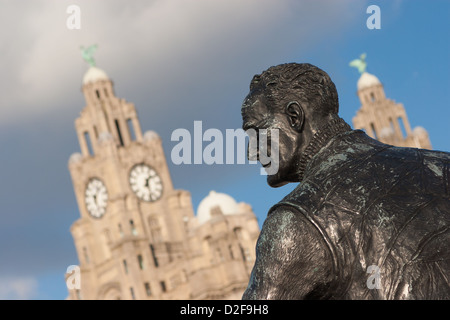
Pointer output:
253, 99
248, 103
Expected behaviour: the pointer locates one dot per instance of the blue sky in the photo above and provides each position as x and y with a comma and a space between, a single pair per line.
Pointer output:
179, 61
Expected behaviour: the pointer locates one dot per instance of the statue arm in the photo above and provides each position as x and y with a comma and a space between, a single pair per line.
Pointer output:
292, 260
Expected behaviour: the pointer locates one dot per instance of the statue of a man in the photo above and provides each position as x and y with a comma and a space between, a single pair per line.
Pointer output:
367, 221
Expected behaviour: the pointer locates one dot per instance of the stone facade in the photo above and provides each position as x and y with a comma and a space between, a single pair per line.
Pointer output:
384, 119
138, 237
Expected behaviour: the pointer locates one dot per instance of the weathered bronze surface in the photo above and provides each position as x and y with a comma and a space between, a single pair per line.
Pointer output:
367, 221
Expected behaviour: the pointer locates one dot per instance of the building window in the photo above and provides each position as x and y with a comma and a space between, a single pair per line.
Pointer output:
133, 228
132, 293
163, 286
147, 289
155, 259
119, 134
85, 255
391, 123
372, 97
78, 293
88, 143
374, 132
402, 126
230, 249
141, 262
125, 266
97, 93
131, 129
243, 253
120, 231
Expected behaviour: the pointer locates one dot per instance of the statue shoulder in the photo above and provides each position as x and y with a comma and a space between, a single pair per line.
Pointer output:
295, 200
290, 254
285, 224
281, 218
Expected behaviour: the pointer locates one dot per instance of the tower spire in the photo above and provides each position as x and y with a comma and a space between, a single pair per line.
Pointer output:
105, 117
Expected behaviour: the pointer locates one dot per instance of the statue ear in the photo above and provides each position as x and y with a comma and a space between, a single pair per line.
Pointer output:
296, 115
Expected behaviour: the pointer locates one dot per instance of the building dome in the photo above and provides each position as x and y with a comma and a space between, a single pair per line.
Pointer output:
367, 80
75, 158
386, 132
215, 199
94, 74
420, 131
151, 135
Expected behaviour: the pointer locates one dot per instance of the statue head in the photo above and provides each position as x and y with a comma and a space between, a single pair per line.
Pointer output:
297, 99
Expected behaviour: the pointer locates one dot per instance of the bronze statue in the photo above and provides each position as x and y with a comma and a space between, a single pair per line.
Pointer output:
367, 221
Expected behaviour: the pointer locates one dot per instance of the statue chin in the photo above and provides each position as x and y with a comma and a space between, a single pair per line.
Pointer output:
275, 181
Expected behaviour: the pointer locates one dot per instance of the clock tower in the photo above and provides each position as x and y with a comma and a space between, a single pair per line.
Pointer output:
124, 192
138, 237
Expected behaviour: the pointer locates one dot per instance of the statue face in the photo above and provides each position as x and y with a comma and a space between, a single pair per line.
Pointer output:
257, 115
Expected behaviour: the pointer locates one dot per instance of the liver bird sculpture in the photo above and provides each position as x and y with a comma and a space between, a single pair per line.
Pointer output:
88, 54
360, 63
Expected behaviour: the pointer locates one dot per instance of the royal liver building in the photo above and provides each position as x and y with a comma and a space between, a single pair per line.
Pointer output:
137, 236
382, 118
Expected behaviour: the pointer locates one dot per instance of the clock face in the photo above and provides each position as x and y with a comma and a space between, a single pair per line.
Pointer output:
146, 183
96, 198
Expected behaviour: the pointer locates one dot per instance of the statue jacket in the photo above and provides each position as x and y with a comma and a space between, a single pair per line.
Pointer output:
367, 221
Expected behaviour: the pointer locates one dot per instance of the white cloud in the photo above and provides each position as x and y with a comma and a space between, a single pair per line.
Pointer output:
160, 42
18, 288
